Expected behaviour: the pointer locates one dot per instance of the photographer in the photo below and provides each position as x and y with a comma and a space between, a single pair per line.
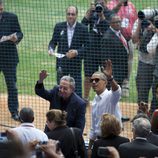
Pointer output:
152, 48
97, 19
142, 36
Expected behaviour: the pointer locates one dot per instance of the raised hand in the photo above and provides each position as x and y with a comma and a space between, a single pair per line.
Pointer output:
107, 68
42, 75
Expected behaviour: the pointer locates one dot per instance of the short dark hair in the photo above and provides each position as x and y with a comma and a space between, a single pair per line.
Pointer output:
26, 115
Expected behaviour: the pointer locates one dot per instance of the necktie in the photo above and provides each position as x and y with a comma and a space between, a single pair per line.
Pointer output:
124, 42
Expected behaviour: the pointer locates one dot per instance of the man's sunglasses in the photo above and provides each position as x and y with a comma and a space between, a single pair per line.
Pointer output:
94, 79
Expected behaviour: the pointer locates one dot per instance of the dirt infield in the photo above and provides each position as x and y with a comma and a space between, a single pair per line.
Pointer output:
40, 107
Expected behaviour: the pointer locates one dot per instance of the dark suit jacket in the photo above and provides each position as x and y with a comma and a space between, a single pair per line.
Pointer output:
153, 138
65, 137
114, 141
79, 42
113, 49
8, 25
74, 106
138, 148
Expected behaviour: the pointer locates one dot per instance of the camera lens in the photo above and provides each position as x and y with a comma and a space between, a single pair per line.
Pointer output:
99, 8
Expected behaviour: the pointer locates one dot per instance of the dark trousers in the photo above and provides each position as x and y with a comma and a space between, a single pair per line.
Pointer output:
154, 102
9, 72
144, 80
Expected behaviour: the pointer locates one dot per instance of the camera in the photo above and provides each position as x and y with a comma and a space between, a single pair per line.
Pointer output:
147, 14
99, 8
103, 152
39, 152
3, 137
126, 3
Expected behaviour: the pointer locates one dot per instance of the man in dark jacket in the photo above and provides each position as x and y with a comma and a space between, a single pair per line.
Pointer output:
63, 97
10, 36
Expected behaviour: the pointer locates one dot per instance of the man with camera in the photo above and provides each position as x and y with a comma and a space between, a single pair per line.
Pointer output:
143, 35
152, 48
97, 19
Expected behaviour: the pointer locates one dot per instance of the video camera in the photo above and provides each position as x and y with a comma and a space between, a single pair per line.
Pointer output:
3, 137
148, 14
99, 7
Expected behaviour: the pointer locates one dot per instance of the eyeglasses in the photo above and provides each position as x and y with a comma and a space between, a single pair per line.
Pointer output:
72, 14
94, 79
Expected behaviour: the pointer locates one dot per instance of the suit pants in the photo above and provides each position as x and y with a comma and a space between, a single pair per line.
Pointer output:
144, 80
9, 71
154, 102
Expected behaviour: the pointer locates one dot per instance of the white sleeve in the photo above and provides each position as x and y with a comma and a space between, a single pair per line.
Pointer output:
152, 45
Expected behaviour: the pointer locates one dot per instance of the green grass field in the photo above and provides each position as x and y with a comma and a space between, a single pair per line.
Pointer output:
37, 19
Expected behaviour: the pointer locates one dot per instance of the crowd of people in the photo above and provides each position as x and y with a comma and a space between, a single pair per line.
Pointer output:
104, 40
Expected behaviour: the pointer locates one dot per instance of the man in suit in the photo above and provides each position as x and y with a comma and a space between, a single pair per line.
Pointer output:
139, 147
115, 48
10, 36
71, 37
63, 97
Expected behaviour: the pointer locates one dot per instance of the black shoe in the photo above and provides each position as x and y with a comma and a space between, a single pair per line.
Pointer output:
15, 117
125, 119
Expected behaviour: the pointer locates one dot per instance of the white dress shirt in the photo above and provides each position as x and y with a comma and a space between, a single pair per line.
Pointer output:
27, 132
107, 102
70, 33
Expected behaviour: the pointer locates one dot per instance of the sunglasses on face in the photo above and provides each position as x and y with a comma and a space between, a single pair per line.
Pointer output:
94, 79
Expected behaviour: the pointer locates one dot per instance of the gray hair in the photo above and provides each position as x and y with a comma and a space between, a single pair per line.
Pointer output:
142, 127
26, 115
70, 80
101, 75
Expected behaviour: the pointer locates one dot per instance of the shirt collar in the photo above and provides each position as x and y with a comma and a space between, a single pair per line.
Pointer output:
27, 125
116, 32
102, 94
71, 27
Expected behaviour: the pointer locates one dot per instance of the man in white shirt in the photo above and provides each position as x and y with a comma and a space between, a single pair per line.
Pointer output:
26, 130
105, 101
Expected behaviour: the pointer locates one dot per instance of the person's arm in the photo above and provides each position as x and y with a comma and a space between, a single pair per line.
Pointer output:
107, 70
53, 42
39, 87
136, 33
118, 6
15, 28
80, 119
153, 44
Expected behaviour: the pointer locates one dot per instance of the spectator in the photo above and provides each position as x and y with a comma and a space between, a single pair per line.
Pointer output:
10, 36
152, 48
105, 101
128, 15
56, 122
27, 131
97, 21
146, 64
152, 137
63, 97
139, 147
114, 47
110, 131
71, 37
